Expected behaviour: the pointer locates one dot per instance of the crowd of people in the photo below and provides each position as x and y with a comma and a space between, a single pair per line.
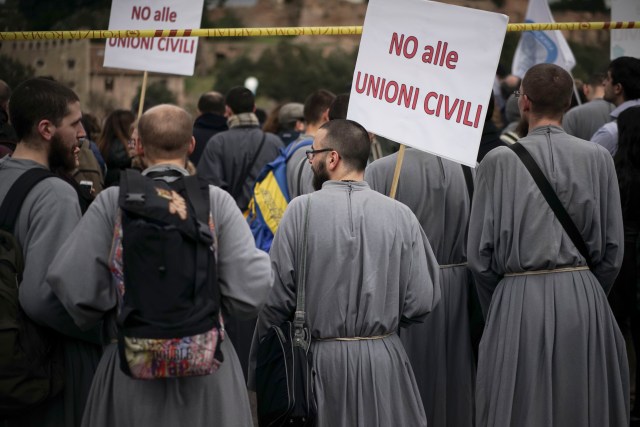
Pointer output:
460, 298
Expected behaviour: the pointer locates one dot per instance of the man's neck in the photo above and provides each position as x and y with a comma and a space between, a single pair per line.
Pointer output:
28, 152
312, 129
348, 176
180, 162
536, 122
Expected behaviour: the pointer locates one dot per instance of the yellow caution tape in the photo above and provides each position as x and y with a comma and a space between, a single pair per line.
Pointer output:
279, 31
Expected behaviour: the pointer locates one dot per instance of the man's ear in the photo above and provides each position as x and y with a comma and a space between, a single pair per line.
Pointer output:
227, 111
333, 160
46, 129
325, 116
192, 145
139, 148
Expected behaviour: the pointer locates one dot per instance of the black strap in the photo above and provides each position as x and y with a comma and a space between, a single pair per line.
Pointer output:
201, 207
299, 181
133, 183
553, 200
245, 173
468, 178
17, 193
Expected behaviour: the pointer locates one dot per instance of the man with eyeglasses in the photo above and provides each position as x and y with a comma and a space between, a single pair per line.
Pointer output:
622, 88
370, 270
551, 353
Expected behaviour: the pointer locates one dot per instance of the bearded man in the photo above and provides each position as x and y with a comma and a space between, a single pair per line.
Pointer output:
370, 270
46, 117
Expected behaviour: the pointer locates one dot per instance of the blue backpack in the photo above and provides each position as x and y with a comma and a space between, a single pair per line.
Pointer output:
271, 196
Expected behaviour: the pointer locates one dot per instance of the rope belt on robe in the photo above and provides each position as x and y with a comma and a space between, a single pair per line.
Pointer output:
375, 337
461, 264
555, 270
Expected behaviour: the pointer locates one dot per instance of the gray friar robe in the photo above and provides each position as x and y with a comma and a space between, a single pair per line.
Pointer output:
80, 277
440, 348
551, 354
369, 269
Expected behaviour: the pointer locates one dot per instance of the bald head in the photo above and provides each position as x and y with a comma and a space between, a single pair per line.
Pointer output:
165, 132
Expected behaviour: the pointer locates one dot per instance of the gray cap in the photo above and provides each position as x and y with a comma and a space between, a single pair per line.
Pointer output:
290, 113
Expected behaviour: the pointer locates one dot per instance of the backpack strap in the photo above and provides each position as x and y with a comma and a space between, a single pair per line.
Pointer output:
132, 188
552, 199
201, 207
245, 173
12, 203
468, 178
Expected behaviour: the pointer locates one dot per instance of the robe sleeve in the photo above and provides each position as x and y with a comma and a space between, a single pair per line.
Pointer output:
421, 275
244, 272
79, 274
480, 243
52, 218
210, 165
612, 226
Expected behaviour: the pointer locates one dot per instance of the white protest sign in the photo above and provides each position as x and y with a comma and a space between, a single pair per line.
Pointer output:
425, 73
173, 55
625, 42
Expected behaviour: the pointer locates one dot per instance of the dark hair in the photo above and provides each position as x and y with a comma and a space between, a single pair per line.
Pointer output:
117, 126
626, 71
211, 102
240, 100
549, 88
596, 79
350, 140
165, 131
5, 93
38, 99
339, 107
316, 104
627, 158
91, 126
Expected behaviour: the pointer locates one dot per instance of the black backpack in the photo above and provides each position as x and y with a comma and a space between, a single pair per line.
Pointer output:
169, 322
31, 358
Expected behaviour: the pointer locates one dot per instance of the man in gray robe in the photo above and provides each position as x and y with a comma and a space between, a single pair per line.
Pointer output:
46, 116
551, 353
80, 275
370, 270
440, 348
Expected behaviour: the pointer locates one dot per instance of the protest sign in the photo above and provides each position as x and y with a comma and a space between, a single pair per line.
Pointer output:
424, 75
172, 55
625, 42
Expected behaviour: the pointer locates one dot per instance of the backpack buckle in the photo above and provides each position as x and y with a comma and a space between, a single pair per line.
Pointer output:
135, 198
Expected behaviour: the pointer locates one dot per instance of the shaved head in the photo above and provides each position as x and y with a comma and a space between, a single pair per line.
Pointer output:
165, 132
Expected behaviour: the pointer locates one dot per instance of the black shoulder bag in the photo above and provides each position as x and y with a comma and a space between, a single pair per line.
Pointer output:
554, 202
284, 375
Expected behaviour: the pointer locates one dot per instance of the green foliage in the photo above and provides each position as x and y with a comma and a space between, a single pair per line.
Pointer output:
589, 59
289, 71
586, 5
157, 93
14, 72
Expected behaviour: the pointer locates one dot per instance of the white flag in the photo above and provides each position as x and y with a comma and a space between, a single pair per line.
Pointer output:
537, 47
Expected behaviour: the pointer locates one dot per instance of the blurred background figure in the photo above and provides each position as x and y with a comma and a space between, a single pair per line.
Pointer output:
623, 297
210, 121
114, 144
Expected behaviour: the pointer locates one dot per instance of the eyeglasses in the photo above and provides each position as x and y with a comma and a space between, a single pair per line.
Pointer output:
517, 94
311, 153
